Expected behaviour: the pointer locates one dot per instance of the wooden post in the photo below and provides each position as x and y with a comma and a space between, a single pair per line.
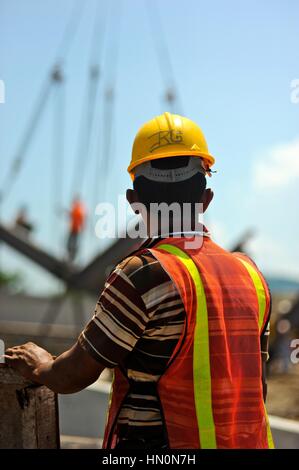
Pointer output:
28, 413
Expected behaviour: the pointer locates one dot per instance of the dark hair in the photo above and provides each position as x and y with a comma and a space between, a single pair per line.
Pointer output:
190, 190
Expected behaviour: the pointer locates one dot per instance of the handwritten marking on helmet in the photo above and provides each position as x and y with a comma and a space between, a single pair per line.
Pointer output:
163, 138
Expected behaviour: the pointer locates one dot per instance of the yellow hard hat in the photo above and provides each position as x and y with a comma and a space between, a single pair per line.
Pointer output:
169, 135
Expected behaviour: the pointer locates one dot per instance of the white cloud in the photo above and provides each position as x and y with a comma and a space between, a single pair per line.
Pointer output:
277, 167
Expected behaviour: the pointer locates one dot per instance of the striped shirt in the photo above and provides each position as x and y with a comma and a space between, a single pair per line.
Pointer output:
137, 322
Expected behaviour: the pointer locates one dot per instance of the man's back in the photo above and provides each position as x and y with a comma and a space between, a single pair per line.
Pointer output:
138, 321
216, 372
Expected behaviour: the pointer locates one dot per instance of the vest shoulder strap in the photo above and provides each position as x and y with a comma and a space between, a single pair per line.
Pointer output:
261, 288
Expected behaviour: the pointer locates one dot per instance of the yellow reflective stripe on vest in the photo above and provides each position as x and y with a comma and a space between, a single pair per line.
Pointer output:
201, 354
260, 291
261, 296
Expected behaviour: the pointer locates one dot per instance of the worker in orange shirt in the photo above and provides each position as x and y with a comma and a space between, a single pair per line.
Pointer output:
77, 216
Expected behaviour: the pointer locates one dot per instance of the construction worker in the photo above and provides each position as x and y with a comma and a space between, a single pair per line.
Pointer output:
182, 322
22, 223
77, 219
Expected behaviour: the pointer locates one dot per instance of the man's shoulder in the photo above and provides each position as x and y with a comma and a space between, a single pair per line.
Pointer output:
142, 270
140, 262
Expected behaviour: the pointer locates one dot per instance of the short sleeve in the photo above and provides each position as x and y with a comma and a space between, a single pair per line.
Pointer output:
119, 319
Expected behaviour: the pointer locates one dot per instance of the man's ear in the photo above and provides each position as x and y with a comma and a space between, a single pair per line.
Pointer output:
132, 198
207, 198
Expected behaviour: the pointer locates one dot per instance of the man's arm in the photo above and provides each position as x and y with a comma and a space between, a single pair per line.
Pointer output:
264, 380
265, 356
70, 372
119, 321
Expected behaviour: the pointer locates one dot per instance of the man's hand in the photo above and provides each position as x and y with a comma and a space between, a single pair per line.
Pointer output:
27, 358
70, 372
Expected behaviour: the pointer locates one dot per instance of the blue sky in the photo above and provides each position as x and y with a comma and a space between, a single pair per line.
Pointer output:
233, 64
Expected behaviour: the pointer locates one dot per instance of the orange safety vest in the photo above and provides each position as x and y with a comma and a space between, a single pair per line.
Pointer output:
211, 393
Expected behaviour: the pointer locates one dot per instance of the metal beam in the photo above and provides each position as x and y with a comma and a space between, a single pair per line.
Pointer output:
91, 278
24, 246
